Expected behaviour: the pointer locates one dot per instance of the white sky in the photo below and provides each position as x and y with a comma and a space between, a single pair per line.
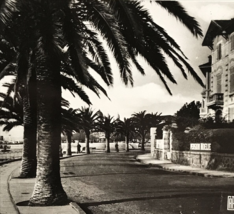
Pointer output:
148, 92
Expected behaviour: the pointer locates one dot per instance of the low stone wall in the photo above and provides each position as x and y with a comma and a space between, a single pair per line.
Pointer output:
158, 154
208, 160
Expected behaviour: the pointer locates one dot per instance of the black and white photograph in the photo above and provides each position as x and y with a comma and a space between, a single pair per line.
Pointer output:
116, 107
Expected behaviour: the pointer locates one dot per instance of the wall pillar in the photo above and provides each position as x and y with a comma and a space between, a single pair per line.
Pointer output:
153, 139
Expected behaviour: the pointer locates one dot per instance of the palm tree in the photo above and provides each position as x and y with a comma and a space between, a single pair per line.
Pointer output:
143, 122
87, 120
125, 127
11, 115
69, 125
21, 101
40, 29
107, 125
8, 67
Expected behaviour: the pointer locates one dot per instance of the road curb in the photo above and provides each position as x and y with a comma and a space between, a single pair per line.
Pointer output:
76, 207
9, 161
8, 189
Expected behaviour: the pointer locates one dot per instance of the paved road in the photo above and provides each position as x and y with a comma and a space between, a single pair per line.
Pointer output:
116, 183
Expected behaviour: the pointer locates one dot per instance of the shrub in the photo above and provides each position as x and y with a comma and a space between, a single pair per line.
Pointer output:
180, 141
222, 140
209, 123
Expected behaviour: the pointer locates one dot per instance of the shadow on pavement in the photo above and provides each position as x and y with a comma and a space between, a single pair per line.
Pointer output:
25, 204
184, 195
123, 173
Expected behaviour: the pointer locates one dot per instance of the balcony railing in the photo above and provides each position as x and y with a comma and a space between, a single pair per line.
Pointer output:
215, 99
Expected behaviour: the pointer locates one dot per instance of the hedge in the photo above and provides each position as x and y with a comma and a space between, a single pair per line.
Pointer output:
222, 140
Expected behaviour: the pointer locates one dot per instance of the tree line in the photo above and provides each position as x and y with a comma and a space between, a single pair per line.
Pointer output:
83, 119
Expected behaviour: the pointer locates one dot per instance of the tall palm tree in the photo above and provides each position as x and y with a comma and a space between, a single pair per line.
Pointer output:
28, 97
107, 125
8, 67
142, 122
40, 29
28, 163
87, 120
125, 127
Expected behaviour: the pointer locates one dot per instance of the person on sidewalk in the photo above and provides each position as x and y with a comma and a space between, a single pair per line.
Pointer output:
78, 147
116, 147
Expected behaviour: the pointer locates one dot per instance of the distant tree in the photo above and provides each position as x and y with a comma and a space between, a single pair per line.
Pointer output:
69, 125
125, 128
188, 115
142, 123
80, 136
107, 125
87, 120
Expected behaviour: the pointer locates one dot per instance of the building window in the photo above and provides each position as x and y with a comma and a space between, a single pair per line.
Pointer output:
219, 51
232, 42
232, 80
219, 83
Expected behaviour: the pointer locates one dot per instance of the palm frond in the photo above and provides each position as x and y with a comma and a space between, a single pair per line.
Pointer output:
177, 10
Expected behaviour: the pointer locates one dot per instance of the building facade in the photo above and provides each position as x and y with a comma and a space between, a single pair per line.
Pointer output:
218, 94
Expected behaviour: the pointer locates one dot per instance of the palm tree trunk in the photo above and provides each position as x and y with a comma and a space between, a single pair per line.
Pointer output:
127, 143
143, 142
87, 143
108, 144
68, 143
29, 161
48, 189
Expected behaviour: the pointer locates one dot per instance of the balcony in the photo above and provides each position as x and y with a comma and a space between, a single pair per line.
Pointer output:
203, 93
215, 100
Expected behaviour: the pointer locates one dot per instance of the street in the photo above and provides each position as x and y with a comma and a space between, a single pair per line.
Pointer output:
117, 183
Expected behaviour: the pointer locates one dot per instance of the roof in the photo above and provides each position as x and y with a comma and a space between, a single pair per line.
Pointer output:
217, 27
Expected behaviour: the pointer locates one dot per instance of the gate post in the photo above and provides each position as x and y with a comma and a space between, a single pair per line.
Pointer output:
153, 140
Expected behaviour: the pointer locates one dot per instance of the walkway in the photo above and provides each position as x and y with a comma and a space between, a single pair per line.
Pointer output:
6, 202
14, 190
168, 165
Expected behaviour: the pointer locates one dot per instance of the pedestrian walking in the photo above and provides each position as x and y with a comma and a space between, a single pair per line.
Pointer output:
78, 147
116, 147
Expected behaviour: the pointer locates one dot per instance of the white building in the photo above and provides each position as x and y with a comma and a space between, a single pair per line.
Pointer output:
218, 95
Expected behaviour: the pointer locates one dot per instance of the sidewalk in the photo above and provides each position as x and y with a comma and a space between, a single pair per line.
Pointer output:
168, 165
14, 190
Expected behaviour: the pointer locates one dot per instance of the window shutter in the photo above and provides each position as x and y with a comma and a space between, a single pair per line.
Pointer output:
219, 83
219, 51
232, 80
232, 42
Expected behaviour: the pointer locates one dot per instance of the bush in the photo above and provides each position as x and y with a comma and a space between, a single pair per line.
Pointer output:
222, 140
209, 123
180, 141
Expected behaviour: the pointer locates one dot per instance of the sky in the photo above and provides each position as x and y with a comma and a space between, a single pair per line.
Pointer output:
148, 93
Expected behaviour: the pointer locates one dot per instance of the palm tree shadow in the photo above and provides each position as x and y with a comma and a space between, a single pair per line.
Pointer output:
85, 206
165, 173
26, 203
